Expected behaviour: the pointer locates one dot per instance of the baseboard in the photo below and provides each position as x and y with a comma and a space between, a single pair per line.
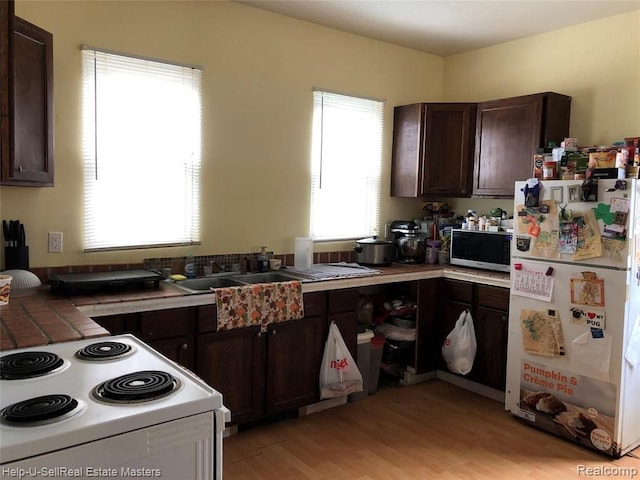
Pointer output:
230, 430
322, 405
483, 390
410, 378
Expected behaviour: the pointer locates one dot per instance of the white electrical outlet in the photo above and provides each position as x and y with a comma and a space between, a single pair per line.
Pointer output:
55, 242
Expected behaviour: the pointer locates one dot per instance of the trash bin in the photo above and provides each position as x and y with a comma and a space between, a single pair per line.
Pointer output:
363, 361
377, 345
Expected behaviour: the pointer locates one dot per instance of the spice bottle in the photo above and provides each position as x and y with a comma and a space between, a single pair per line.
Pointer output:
472, 218
550, 170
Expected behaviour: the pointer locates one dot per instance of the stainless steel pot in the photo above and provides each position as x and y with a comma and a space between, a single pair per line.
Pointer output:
411, 248
374, 251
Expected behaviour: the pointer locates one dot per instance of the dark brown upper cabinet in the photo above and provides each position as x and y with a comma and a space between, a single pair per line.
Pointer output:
508, 133
6, 41
27, 135
432, 150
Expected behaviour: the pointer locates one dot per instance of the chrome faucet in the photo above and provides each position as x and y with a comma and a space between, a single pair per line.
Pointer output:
217, 268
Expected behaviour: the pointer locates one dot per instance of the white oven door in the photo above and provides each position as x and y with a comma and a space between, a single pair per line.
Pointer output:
187, 448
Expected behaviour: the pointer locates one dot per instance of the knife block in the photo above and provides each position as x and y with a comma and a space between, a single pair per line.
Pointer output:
16, 258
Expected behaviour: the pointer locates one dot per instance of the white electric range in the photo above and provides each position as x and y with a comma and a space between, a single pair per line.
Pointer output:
106, 408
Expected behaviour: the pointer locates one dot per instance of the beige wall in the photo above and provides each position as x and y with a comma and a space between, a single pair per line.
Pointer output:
596, 63
259, 69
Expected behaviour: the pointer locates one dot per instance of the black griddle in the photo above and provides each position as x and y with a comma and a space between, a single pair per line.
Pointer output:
78, 283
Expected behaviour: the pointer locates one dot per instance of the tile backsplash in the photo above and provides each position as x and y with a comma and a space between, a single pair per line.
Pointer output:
226, 262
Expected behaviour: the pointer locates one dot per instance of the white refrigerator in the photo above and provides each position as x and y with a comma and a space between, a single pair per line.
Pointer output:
573, 361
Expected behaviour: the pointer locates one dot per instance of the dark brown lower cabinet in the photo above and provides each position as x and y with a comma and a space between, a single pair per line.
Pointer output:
261, 374
489, 367
489, 307
342, 308
294, 355
233, 362
428, 295
171, 332
264, 373
451, 313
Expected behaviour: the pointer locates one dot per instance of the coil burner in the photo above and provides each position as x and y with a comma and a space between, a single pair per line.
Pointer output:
104, 351
39, 410
142, 386
18, 366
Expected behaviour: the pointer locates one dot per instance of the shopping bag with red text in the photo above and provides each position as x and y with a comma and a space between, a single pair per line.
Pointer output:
339, 374
459, 348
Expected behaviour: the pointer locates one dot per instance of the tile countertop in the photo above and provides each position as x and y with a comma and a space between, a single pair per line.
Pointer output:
45, 318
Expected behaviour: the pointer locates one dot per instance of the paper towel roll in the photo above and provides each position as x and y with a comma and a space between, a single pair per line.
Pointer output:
303, 253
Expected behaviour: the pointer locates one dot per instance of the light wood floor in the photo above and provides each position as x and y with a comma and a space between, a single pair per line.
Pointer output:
425, 431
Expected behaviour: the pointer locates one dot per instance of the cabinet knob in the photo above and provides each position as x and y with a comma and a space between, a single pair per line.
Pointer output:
274, 331
20, 168
259, 334
184, 346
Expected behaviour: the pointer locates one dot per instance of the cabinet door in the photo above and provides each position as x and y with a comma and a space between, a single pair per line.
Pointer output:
456, 297
233, 363
426, 325
451, 312
508, 133
172, 333
6, 85
343, 309
448, 145
432, 149
406, 155
31, 162
507, 136
294, 355
490, 365
348, 325
119, 324
179, 349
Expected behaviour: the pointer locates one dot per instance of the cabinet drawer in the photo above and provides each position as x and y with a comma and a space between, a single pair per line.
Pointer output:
315, 304
165, 323
458, 291
207, 318
493, 297
343, 300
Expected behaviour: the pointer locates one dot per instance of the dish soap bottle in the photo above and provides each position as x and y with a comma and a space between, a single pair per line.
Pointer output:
263, 260
190, 266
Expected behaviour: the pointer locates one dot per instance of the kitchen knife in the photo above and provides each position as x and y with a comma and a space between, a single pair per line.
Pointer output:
7, 234
14, 226
12, 233
22, 241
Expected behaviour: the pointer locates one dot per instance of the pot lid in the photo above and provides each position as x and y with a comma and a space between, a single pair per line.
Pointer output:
404, 226
375, 241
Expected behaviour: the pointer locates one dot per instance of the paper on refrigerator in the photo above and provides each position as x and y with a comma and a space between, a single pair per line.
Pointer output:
542, 332
591, 356
532, 282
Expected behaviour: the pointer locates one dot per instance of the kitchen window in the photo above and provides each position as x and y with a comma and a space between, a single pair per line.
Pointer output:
142, 150
346, 166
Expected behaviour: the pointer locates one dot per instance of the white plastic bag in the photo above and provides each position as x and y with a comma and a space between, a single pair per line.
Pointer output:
339, 374
459, 348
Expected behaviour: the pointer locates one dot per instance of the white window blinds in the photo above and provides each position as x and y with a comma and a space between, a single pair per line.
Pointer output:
346, 164
141, 149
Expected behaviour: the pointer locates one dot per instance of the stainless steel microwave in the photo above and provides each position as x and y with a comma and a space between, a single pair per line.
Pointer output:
481, 249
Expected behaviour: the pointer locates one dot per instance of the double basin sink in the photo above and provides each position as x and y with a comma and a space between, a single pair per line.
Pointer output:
204, 285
